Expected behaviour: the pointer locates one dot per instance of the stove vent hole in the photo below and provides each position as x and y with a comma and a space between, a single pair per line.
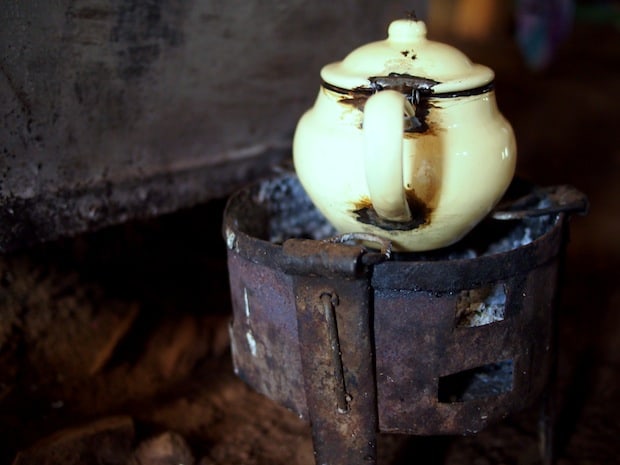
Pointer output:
476, 383
480, 306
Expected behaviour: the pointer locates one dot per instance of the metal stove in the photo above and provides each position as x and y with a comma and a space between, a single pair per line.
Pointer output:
359, 340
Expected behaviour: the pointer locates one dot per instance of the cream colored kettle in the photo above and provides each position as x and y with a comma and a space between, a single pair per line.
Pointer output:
405, 141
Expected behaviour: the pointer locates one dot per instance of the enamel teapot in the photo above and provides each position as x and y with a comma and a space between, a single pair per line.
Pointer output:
405, 142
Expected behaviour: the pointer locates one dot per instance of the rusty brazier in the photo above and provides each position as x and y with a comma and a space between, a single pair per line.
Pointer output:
357, 340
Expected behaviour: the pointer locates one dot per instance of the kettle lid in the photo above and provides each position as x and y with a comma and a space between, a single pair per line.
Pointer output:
407, 51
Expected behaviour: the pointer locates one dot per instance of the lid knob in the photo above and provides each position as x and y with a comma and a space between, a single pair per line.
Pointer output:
406, 30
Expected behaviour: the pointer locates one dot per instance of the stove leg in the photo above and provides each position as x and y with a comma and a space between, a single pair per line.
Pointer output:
338, 368
546, 429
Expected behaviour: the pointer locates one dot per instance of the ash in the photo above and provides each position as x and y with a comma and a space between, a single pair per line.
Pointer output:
290, 211
482, 306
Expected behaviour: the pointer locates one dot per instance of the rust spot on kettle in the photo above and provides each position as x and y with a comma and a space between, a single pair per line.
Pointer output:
416, 89
362, 204
356, 100
416, 124
427, 128
420, 214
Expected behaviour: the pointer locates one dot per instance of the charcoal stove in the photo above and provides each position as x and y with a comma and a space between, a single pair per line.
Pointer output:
358, 340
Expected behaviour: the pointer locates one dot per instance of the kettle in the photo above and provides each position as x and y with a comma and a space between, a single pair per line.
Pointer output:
405, 142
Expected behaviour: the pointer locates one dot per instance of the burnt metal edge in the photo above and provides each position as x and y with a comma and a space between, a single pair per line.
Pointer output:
427, 94
26, 222
441, 275
287, 259
295, 256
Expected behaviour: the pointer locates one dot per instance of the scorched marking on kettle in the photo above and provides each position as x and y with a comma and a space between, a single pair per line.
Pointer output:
420, 214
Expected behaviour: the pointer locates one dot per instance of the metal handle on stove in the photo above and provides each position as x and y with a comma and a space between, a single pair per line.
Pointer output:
543, 201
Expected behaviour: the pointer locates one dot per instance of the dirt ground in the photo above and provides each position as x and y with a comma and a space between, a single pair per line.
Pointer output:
133, 320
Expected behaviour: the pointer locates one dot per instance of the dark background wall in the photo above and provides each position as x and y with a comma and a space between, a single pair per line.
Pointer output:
114, 109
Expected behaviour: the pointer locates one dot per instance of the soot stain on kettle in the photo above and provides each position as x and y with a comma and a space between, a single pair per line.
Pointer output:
420, 214
419, 123
356, 100
416, 124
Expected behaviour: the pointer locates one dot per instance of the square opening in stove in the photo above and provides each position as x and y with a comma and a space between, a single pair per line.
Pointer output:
481, 306
476, 383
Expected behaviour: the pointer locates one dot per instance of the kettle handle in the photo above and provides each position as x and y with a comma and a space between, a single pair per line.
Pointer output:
383, 154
